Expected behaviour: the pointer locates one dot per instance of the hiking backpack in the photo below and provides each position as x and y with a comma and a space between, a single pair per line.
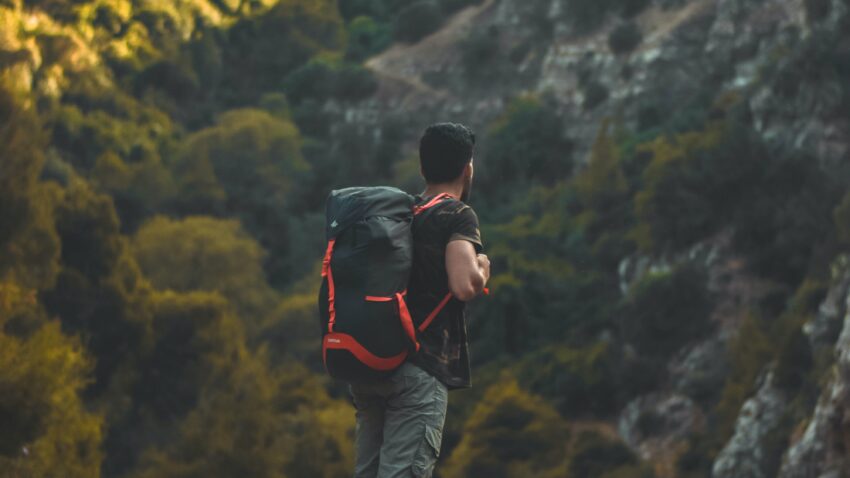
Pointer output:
367, 330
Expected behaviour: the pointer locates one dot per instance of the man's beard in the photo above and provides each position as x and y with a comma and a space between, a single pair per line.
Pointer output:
467, 189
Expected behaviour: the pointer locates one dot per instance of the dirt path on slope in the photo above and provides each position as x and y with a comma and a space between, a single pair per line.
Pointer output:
659, 24
400, 63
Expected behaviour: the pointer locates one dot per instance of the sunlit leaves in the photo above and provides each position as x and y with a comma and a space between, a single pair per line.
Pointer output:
509, 434
205, 254
46, 427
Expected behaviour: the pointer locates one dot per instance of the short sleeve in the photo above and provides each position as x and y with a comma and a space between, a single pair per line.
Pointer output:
463, 225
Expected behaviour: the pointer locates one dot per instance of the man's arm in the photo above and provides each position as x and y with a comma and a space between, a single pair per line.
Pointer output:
468, 272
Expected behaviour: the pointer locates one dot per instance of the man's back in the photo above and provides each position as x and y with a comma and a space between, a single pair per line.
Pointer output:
444, 346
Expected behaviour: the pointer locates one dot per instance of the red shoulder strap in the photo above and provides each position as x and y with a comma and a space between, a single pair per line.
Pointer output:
434, 201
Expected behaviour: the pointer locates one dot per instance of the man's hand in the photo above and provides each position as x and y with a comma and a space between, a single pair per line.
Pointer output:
468, 273
484, 265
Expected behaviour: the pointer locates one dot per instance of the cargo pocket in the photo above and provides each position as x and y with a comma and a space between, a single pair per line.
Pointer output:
428, 452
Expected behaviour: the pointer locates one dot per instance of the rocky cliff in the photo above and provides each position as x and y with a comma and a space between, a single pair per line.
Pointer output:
786, 59
772, 52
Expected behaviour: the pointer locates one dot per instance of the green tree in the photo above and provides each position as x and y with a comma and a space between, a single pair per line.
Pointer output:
525, 144
510, 433
366, 37
206, 254
666, 310
417, 20
263, 49
29, 246
788, 217
99, 293
248, 165
320, 79
291, 330
625, 38
597, 455
577, 382
47, 430
696, 182
241, 417
606, 200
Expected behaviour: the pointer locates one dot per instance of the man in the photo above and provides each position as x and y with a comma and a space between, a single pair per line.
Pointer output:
400, 421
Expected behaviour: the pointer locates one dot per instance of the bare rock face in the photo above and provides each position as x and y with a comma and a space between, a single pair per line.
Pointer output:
705, 253
800, 107
700, 370
655, 425
824, 329
823, 450
745, 454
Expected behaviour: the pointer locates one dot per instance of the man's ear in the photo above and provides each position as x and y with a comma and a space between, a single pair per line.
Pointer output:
468, 171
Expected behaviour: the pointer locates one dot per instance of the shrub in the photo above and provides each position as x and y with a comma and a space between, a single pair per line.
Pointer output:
380, 10
697, 460
526, 143
62, 10
479, 50
177, 80
366, 37
260, 50
787, 215
817, 9
624, 38
311, 119
664, 311
630, 8
248, 165
321, 79
201, 253
576, 381
841, 218
353, 82
451, 6
595, 93
314, 79
510, 433
596, 455
749, 351
696, 182
586, 15
794, 360
417, 21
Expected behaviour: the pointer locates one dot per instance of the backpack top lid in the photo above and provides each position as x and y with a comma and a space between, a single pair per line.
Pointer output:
346, 206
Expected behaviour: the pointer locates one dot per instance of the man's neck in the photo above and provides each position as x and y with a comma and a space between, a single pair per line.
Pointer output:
452, 189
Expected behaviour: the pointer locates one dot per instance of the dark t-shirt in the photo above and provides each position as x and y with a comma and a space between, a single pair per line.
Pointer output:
444, 348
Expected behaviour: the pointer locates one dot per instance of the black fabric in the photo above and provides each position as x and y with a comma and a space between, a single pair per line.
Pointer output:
444, 347
346, 206
372, 256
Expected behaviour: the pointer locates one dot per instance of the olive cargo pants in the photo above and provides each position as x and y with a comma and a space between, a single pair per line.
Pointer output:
399, 424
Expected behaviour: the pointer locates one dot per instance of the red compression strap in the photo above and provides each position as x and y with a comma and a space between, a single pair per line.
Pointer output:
347, 342
326, 262
406, 320
326, 272
433, 201
433, 314
381, 298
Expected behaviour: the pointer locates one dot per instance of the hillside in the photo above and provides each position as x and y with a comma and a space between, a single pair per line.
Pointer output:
662, 186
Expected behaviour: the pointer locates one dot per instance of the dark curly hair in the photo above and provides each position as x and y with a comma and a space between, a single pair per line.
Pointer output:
444, 150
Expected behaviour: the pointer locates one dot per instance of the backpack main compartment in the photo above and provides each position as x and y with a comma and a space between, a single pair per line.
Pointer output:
366, 329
